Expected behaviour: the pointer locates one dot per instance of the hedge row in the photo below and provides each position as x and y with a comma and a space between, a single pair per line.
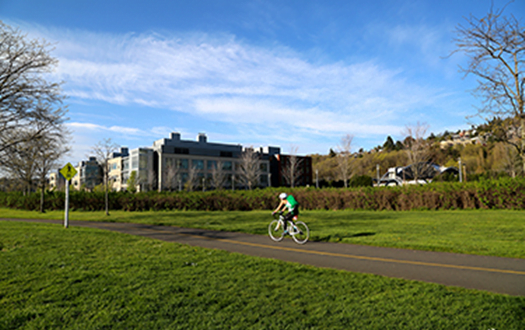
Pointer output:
495, 194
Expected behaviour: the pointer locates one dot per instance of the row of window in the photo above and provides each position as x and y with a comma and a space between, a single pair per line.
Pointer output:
183, 164
199, 164
182, 178
136, 161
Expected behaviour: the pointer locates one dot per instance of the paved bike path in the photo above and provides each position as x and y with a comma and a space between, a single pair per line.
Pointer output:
494, 274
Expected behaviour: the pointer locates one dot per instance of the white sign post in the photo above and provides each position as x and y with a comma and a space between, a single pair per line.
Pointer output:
66, 217
68, 172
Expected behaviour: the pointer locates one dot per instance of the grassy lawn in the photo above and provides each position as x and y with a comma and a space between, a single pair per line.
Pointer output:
495, 232
81, 278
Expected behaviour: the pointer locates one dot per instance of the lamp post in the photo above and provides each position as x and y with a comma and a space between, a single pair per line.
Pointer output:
317, 178
460, 171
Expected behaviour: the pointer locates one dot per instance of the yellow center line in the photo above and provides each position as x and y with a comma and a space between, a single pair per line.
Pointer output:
349, 256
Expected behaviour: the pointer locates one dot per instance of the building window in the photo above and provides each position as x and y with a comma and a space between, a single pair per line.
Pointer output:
227, 166
264, 167
197, 164
227, 154
182, 151
169, 162
212, 164
182, 163
143, 160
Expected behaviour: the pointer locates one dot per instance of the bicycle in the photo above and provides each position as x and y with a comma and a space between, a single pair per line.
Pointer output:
297, 229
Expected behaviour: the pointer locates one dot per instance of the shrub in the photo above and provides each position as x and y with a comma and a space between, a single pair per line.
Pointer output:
504, 193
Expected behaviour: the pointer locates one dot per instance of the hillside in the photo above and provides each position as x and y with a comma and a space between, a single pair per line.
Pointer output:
481, 156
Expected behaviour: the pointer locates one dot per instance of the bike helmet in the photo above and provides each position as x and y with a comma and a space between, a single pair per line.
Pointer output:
283, 196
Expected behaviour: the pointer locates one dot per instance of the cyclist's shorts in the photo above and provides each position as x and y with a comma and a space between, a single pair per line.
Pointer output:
295, 211
292, 214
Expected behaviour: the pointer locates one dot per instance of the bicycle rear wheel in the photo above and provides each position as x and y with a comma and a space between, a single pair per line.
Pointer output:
302, 234
276, 234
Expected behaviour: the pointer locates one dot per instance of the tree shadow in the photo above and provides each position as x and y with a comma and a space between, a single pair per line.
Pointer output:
340, 237
362, 234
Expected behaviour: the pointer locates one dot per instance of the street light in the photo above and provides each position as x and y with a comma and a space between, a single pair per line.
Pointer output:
460, 172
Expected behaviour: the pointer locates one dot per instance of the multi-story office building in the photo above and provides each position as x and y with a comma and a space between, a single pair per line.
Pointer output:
140, 161
200, 164
56, 180
116, 179
175, 164
89, 174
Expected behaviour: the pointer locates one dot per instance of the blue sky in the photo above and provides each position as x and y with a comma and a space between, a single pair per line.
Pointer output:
282, 73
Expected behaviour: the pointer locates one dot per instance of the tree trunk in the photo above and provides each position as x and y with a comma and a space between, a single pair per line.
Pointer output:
42, 196
106, 195
522, 144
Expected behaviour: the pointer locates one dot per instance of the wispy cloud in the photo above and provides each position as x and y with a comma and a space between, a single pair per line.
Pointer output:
220, 78
89, 127
219, 75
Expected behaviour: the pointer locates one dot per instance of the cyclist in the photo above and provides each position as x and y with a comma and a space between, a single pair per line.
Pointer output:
287, 201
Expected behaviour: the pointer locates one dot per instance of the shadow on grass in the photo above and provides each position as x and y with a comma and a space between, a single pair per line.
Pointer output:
340, 237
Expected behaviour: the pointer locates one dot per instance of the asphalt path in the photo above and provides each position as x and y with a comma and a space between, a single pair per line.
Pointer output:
493, 274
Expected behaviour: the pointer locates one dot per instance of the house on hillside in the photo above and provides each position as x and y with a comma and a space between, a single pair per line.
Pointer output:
420, 173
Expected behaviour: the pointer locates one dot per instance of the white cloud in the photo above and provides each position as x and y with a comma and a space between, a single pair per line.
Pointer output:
219, 78
89, 127
177, 71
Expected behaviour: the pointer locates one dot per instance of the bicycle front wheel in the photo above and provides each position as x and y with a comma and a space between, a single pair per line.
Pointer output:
276, 234
302, 234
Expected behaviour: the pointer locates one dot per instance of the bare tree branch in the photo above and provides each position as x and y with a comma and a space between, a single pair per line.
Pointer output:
27, 99
218, 175
250, 170
417, 148
292, 167
345, 157
495, 46
103, 151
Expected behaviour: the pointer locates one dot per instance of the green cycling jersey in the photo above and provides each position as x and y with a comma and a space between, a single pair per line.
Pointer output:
291, 203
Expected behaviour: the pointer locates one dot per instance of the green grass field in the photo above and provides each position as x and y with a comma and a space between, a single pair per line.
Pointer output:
80, 278
495, 232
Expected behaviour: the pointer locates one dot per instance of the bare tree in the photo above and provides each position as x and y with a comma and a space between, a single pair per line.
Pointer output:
495, 46
20, 161
50, 149
29, 104
417, 149
344, 158
218, 176
250, 170
172, 176
151, 180
103, 151
509, 160
192, 178
292, 167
